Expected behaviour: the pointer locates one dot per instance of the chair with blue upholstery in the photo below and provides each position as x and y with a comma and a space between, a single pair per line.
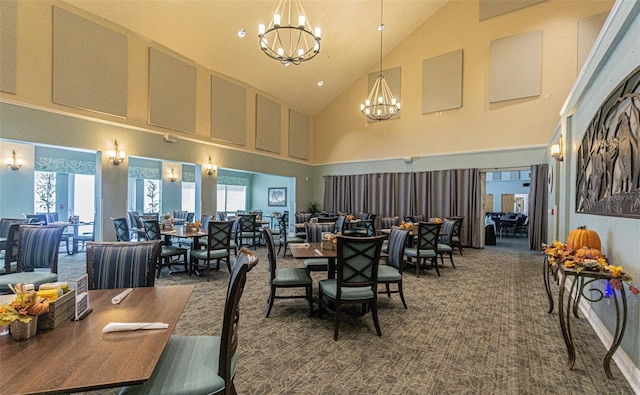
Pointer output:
203, 364
391, 273
11, 250
285, 238
4, 227
112, 265
152, 232
427, 246
314, 235
356, 281
218, 247
285, 277
37, 249
122, 229
444, 243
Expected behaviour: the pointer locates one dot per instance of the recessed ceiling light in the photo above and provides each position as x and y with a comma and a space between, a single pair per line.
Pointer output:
320, 83
242, 33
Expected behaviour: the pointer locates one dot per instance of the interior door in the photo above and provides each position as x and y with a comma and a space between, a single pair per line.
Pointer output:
508, 202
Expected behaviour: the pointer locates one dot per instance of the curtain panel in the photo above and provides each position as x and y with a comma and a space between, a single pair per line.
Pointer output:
442, 193
538, 202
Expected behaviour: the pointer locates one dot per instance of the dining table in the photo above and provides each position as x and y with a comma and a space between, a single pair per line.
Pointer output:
314, 250
76, 356
181, 231
75, 231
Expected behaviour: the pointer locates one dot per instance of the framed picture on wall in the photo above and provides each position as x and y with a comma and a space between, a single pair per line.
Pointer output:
277, 197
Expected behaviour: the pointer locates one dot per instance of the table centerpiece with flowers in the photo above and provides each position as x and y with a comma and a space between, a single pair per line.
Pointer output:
22, 313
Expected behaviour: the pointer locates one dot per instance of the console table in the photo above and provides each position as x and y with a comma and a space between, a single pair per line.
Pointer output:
580, 281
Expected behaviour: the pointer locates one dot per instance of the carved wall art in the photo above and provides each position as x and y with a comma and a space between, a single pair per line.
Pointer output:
608, 162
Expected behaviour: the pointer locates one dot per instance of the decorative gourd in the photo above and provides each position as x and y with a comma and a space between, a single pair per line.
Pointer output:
583, 237
40, 307
588, 253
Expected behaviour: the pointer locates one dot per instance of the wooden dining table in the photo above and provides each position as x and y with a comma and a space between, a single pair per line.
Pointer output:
181, 232
77, 356
314, 250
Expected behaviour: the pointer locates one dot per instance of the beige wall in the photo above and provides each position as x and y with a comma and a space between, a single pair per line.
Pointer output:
343, 134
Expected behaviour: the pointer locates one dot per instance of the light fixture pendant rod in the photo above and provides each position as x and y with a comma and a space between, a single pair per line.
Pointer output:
381, 28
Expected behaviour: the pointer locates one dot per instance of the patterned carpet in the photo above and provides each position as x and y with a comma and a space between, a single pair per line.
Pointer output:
481, 328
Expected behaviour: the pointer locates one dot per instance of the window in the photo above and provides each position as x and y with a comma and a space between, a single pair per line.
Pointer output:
83, 196
45, 196
151, 196
189, 196
232, 198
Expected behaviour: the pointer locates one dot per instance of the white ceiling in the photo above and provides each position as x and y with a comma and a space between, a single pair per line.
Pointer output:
205, 31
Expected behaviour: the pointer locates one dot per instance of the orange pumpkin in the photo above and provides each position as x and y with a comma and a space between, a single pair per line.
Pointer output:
588, 253
583, 237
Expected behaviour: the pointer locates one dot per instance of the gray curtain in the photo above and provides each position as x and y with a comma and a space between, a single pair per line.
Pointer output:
442, 193
538, 204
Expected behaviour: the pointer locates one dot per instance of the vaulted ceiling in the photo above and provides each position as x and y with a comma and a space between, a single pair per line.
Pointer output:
206, 32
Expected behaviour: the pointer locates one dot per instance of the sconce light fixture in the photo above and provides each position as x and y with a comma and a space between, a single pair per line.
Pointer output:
116, 155
14, 163
210, 168
556, 151
173, 176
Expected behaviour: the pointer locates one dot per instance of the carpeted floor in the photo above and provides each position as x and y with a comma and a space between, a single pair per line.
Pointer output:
481, 328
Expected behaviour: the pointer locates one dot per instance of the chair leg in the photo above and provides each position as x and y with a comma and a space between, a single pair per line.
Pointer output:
272, 296
434, 263
388, 290
451, 258
401, 294
337, 318
374, 313
309, 292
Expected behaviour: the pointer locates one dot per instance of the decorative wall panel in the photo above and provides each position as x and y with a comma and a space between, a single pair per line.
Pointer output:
228, 111
442, 82
608, 162
493, 8
88, 58
268, 125
172, 92
515, 67
298, 135
8, 25
588, 30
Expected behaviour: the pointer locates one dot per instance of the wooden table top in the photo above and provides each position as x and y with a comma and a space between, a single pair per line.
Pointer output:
308, 250
77, 356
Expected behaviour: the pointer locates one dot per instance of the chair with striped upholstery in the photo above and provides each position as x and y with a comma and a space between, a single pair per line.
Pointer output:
391, 273
203, 364
112, 265
37, 249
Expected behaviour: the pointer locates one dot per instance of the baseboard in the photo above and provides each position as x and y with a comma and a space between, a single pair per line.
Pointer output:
629, 370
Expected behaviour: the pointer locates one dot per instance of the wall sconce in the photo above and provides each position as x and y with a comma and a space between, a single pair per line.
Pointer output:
210, 168
14, 163
173, 176
556, 151
116, 155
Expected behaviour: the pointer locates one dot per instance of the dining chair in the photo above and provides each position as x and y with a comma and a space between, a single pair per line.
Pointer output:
389, 222
86, 236
340, 224
285, 277
455, 235
391, 273
139, 219
444, 244
426, 246
33, 218
112, 265
152, 232
247, 230
5, 223
203, 364
122, 229
190, 216
314, 235
356, 281
218, 247
286, 239
37, 249
11, 249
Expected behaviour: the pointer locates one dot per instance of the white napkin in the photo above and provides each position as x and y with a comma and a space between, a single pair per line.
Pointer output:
133, 326
120, 297
318, 252
301, 245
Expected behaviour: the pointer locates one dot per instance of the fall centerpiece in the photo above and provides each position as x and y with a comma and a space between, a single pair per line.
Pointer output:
22, 314
590, 259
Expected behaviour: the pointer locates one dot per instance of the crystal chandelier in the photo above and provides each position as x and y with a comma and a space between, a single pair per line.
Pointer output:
289, 38
380, 105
